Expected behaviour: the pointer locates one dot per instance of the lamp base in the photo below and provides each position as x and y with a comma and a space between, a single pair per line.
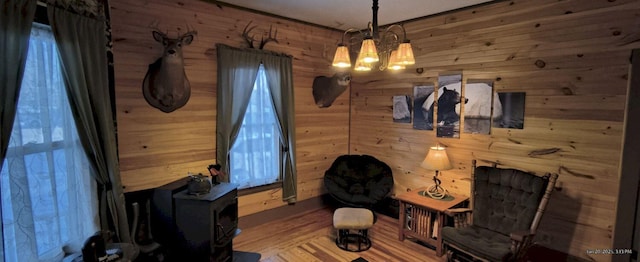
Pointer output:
436, 192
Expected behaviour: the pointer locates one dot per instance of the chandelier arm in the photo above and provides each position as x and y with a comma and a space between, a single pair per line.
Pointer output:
354, 40
404, 32
350, 30
385, 37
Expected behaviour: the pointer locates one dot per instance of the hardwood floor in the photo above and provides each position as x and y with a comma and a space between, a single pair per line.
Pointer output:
310, 237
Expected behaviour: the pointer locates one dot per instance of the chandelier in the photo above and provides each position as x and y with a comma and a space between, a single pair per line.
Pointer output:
384, 49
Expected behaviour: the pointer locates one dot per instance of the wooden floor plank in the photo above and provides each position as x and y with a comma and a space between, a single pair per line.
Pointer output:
310, 237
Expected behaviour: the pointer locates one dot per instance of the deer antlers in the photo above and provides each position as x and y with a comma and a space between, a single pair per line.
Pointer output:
250, 38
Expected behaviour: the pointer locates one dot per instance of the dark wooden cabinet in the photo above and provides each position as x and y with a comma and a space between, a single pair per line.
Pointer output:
207, 223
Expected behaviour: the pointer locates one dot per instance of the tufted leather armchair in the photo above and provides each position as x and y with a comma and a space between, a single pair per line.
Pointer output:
358, 180
505, 210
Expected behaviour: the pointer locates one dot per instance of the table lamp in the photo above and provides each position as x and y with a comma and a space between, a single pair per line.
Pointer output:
437, 160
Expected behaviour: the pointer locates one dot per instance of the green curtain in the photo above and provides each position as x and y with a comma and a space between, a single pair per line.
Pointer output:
82, 46
16, 18
280, 77
237, 72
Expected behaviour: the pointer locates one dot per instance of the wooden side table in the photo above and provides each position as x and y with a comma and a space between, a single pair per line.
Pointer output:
422, 217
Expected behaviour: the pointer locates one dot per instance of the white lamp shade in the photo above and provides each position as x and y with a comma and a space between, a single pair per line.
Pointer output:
436, 159
341, 58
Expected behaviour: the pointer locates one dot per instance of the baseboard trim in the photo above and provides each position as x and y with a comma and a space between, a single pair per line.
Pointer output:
297, 208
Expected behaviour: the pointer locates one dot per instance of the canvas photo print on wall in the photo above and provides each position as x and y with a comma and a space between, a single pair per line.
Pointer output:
448, 105
477, 110
512, 113
422, 118
402, 109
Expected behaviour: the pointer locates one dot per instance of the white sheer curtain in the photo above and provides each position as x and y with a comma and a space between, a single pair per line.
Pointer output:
255, 156
49, 199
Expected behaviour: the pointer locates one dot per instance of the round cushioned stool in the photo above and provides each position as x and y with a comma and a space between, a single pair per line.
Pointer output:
346, 219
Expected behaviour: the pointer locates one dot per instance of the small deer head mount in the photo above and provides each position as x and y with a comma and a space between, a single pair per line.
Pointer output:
325, 90
165, 85
263, 41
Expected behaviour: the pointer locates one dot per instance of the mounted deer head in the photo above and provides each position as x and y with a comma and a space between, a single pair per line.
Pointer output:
165, 85
325, 90
250, 38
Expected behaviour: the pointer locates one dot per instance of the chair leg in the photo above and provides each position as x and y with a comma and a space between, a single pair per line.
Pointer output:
454, 255
359, 240
365, 237
151, 249
134, 225
342, 241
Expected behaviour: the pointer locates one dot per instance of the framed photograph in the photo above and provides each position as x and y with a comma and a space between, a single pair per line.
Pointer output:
480, 100
402, 109
422, 113
448, 105
512, 113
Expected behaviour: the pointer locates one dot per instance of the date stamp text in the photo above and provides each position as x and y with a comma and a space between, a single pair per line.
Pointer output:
609, 251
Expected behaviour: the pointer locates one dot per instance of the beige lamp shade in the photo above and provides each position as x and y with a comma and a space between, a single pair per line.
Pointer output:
436, 159
368, 51
393, 61
405, 54
341, 58
361, 65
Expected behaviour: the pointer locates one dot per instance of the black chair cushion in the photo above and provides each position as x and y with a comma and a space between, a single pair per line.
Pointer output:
484, 243
506, 200
358, 180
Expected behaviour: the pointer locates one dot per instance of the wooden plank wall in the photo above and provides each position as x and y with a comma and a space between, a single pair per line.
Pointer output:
572, 60
156, 148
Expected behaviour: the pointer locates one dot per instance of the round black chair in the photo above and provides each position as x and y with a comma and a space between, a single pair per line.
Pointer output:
358, 180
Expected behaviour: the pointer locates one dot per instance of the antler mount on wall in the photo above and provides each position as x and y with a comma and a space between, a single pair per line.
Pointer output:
250, 38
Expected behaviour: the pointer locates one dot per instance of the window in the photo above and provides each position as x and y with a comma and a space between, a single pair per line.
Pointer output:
255, 155
49, 199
